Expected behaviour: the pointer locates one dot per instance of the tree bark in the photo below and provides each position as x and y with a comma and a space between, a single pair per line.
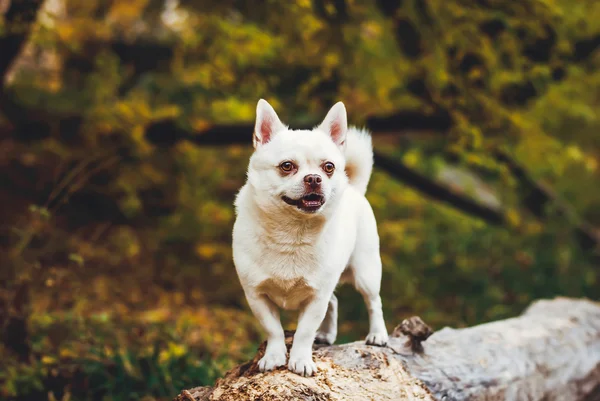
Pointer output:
550, 352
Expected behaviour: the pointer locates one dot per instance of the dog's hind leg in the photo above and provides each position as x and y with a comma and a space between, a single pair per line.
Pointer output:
367, 280
328, 330
365, 265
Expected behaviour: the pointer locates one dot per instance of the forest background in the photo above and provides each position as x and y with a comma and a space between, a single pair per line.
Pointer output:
125, 131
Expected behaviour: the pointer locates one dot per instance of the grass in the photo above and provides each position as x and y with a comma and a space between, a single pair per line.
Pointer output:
106, 357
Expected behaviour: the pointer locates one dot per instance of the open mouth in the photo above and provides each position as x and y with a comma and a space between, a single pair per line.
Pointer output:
308, 203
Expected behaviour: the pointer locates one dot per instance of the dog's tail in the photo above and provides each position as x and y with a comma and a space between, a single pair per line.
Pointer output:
359, 158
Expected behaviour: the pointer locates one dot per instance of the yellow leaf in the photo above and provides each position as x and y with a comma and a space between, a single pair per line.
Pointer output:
411, 158
574, 152
173, 351
513, 217
155, 316
48, 360
206, 251
67, 353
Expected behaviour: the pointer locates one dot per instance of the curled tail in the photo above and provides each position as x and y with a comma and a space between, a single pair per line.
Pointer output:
359, 158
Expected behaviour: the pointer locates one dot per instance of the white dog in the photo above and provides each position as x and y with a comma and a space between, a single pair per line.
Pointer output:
303, 225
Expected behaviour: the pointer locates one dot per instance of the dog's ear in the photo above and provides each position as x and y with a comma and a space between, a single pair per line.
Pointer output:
336, 124
267, 124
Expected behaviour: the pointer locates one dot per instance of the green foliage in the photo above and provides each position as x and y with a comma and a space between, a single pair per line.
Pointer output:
104, 357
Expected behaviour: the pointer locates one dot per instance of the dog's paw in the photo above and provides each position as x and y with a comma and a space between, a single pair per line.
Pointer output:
325, 338
271, 361
303, 366
378, 339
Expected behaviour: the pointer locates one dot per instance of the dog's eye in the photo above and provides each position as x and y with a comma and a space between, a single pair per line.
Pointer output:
286, 166
328, 167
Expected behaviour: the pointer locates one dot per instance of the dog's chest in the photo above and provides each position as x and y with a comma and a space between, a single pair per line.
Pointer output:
289, 272
287, 293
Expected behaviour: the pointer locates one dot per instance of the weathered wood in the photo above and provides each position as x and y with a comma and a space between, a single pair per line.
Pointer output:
550, 352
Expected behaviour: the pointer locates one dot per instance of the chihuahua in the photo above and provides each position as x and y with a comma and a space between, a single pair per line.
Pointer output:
302, 226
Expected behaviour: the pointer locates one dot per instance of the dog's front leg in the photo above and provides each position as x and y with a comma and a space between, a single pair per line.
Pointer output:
268, 315
310, 318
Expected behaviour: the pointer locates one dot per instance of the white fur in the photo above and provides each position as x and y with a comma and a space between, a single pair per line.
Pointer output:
291, 259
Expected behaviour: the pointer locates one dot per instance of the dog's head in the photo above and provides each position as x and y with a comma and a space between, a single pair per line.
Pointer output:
299, 171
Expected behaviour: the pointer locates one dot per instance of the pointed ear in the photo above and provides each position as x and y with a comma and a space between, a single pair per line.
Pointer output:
267, 124
336, 124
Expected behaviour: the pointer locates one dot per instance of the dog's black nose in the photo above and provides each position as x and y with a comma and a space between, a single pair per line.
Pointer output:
313, 181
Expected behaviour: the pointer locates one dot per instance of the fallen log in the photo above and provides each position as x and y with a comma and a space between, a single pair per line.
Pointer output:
550, 352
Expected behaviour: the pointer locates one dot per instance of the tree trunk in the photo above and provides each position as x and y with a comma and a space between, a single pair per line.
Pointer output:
550, 352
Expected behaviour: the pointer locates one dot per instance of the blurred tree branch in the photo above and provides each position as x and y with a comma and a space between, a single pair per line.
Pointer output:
538, 198
398, 170
19, 17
